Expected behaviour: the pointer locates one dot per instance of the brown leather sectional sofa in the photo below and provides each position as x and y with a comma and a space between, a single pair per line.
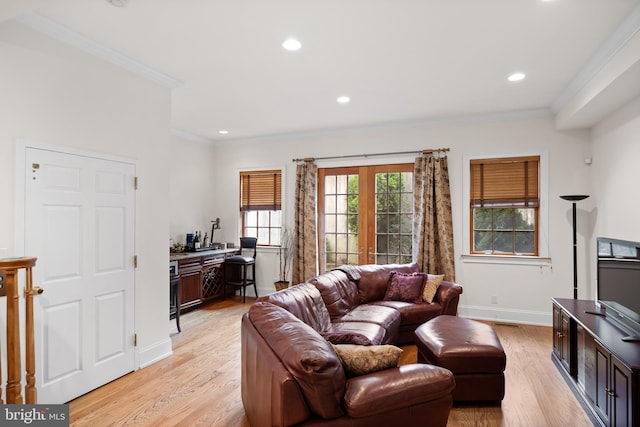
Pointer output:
291, 374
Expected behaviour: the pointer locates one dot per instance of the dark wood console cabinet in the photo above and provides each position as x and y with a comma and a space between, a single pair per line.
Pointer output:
201, 276
603, 370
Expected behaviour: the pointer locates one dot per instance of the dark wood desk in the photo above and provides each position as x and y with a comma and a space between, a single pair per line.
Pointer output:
201, 276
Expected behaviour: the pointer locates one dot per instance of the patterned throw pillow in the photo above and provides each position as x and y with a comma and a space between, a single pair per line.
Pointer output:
405, 287
430, 288
363, 359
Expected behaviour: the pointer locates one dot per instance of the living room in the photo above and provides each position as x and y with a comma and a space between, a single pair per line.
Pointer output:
56, 95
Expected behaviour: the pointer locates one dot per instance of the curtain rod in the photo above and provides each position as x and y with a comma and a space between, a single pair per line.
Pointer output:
310, 159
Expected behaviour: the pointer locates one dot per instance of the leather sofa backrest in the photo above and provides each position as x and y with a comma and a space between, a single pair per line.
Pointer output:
374, 279
306, 354
270, 394
339, 293
304, 302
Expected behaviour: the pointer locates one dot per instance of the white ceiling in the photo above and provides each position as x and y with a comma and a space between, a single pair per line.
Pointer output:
398, 61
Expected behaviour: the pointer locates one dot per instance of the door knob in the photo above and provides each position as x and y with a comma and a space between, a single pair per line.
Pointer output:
36, 290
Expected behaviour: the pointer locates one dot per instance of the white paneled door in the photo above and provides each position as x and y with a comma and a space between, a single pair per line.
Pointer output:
79, 223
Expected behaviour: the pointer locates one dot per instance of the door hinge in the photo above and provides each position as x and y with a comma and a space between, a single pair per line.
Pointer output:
135, 340
135, 261
3, 288
135, 182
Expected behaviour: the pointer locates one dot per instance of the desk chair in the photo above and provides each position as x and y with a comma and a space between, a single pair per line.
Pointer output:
235, 267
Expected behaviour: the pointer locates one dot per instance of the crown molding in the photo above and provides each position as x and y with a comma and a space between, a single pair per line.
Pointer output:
535, 113
60, 32
614, 43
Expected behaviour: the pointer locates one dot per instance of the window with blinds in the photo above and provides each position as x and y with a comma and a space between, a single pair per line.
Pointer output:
504, 204
261, 205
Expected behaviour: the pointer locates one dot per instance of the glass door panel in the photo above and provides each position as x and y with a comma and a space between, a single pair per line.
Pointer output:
394, 217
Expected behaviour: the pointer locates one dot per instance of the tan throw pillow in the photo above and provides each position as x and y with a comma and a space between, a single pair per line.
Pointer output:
430, 288
363, 359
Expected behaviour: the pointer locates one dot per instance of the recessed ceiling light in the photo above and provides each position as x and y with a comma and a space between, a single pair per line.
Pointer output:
343, 99
291, 44
516, 77
223, 132
118, 3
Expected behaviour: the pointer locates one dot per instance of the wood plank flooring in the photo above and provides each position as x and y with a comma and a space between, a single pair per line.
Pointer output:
199, 385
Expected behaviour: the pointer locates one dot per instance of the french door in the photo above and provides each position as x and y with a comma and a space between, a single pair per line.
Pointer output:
365, 215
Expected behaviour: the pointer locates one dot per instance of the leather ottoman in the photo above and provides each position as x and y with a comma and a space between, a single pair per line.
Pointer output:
469, 349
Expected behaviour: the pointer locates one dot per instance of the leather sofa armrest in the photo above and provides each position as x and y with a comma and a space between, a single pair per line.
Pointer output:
395, 388
448, 295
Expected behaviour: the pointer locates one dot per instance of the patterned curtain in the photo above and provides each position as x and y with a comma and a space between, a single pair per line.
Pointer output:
305, 264
432, 221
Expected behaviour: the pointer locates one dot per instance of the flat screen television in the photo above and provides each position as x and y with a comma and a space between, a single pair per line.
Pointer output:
618, 283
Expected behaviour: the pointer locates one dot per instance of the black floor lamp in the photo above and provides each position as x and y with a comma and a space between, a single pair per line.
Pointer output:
574, 199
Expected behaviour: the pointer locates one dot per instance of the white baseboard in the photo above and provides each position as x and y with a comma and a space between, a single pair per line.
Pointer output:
155, 352
525, 317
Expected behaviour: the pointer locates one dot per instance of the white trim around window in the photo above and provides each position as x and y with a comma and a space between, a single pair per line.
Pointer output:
543, 218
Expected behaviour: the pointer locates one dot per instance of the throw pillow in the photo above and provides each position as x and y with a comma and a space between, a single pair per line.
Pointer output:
363, 359
405, 287
430, 288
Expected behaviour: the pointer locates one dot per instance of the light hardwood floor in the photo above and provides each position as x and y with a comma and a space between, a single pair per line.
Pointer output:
199, 385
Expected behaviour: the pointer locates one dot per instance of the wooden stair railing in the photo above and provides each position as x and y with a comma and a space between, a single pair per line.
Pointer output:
9, 268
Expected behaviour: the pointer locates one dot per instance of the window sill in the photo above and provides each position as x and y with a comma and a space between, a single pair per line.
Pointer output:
506, 259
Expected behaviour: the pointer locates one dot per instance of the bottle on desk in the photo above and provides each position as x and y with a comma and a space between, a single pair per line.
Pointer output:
205, 241
196, 240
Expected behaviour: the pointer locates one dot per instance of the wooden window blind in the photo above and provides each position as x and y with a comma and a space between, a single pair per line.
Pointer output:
505, 182
261, 190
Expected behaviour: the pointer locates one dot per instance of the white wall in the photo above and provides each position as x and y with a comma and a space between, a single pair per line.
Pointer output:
59, 97
616, 162
193, 202
524, 292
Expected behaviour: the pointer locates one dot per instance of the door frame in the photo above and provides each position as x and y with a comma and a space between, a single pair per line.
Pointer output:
19, 214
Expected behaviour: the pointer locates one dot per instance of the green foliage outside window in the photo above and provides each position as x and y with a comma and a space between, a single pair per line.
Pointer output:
352, 203
504, 230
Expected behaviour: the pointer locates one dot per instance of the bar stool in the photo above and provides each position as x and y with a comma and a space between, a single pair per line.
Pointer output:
235, 267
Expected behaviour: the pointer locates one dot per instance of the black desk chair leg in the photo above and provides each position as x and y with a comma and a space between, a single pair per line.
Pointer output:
253, 278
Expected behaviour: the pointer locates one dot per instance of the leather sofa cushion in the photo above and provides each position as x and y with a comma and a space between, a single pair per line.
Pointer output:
374, 279
387, 317
397, 388
413, 314
307, 355
305, 302
363, 333
340, 294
